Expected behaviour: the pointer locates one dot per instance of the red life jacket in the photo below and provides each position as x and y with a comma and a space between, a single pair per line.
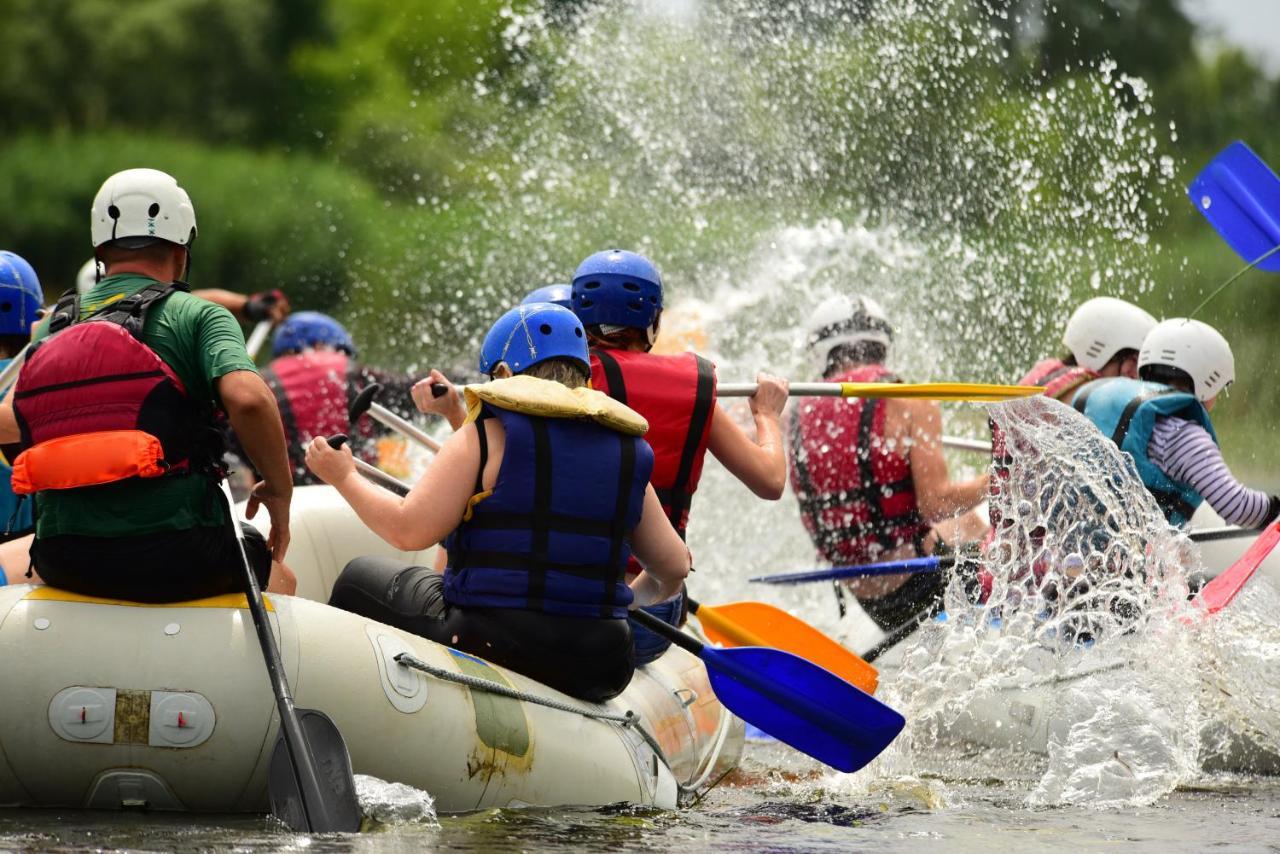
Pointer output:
313, 390
677, 396
94, 404
856, 495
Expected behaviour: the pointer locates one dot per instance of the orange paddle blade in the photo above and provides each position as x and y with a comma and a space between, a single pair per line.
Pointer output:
758, 624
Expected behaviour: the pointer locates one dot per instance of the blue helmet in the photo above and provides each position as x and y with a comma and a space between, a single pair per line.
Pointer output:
559, 294
617, 287
20, 295
531, 333
309, 328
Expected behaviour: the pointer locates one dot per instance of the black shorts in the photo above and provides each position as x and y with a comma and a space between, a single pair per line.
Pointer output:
585, 657
165, 566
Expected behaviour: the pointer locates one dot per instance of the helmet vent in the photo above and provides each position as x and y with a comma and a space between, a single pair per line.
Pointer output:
1095, 349
1169, 354
545, 329
590, 286
113, 212
577, 330
154, 210
631, 286
6, 306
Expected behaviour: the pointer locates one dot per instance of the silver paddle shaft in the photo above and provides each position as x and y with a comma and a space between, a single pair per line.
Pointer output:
382, 415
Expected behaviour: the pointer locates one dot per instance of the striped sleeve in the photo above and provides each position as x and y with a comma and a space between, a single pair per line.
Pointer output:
1187, 453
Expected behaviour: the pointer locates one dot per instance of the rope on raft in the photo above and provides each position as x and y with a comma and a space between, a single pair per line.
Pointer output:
628, 720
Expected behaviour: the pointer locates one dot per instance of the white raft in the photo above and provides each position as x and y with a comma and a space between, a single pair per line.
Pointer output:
114, 704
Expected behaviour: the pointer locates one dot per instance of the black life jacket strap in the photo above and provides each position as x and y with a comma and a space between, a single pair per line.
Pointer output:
618, 525
1131, 409
482, 436
612, 375
1081, 400
540, 518
704, 402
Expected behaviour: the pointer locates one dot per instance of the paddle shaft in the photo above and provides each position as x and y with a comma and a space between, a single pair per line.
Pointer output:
950, 391
961, 444
896, 636
257, 338
295, 739
1222, 287
391, 483
10, 372
736, 632
385, 416
897, 567
668, 631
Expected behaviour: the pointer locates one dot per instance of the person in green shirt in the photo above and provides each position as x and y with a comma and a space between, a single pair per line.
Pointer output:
146, 537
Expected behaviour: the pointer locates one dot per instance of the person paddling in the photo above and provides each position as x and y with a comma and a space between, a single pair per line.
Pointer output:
618, 296
869, 474
314, 376
1162, 421
270, 305
540, 506
117, 412
21, 300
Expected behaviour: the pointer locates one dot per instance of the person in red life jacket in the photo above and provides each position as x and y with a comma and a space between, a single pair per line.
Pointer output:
869, 473
118, 409
314, 376
618, 297
21, 301
540, 500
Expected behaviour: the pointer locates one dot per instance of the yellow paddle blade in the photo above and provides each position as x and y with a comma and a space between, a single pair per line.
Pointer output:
758, 624
940, 391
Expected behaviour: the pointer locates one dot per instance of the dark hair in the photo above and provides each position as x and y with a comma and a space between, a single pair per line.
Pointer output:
567, 372
1122, 354
622, 339
1168, 375
1070, 360
857, 353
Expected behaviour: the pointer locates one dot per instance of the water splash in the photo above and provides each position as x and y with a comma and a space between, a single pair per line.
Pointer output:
390, 805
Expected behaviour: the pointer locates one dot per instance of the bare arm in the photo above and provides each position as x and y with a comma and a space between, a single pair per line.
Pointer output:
9, 432
435, 504
664, 555
760, 464
248, 307
937, 495
256, 420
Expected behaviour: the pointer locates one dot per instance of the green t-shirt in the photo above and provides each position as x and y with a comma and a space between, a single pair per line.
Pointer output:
201, 342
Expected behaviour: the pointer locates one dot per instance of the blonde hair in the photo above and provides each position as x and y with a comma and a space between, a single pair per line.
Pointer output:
567, 372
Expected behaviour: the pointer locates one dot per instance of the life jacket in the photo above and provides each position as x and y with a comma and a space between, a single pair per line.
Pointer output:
1126, 410
313, 390
95, 405
1059, 380
15, 514
856, 495
677, 396
554, 533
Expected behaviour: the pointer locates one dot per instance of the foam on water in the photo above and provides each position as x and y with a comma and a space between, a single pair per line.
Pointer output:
389, 805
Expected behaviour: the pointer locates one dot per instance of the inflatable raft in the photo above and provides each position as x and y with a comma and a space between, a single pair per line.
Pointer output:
111, 704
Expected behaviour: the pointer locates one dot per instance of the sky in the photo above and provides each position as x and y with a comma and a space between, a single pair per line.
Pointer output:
1253, 25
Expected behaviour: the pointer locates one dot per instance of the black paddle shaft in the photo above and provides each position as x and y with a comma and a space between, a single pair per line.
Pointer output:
304, 764
668, 631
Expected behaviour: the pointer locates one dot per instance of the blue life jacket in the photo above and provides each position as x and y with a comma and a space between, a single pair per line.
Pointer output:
9, 502
1126, 410
554, 535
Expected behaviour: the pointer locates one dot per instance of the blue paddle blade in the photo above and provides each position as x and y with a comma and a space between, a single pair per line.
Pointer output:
799, 703
1240, 196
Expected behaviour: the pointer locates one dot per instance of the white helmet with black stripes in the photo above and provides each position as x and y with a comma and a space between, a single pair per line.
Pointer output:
1196, 349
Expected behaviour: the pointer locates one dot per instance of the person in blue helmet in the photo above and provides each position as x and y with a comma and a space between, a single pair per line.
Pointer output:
540, 500
314, 376
558, 294
618, 296
21, 300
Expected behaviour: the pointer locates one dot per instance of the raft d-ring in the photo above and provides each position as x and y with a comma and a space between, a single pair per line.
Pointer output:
679, 695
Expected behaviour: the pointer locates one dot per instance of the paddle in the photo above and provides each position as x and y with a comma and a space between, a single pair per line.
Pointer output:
1219, 592
758, 624
364, 402
793, 700
389, 482
309, 780
257, 338
10, 372
1239, 195
929, 391
961, 444
893, 567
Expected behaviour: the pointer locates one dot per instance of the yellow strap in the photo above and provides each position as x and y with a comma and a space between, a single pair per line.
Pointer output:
44, 593
548, 399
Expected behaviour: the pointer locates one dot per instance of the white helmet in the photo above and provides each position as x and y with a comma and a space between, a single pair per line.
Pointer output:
1102, 327
138, 206
88, 276
846, 320
1194, 347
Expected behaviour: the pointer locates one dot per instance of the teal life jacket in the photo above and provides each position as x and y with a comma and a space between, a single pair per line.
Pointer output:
1126, 410
15, 515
